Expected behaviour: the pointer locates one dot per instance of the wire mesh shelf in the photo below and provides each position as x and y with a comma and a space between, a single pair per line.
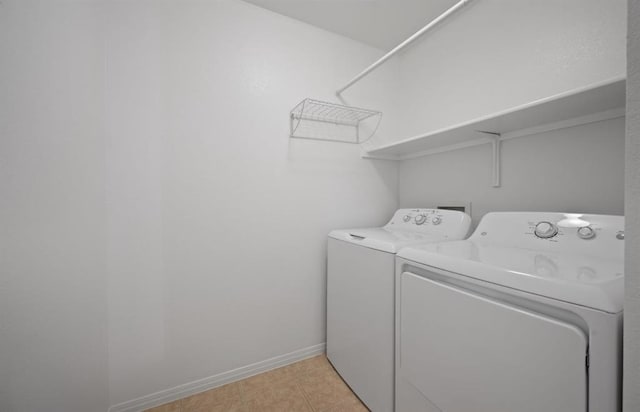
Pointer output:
318, 120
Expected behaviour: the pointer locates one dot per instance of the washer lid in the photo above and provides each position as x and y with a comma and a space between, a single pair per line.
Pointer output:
581, 279
385, 240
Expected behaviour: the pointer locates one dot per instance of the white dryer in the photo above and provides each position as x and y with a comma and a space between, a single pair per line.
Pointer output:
524, 316
360, 296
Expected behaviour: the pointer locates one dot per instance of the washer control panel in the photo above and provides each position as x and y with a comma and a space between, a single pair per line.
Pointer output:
417, 217
438, 221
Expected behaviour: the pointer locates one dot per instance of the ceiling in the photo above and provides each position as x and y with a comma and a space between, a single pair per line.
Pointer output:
379, 23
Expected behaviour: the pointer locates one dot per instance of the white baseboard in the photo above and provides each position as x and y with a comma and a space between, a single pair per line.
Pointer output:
201, 385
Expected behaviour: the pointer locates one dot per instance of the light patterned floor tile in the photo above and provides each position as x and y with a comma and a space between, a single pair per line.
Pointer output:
351, 405
258, 382
169, 407
311, 385
224, 398
279, 396
312, 365
324, 389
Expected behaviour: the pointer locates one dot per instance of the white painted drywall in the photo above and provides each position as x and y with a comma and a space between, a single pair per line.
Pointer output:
579, 169
53, 301
158, 224
217, 221
494, 55
631, 380
380, 23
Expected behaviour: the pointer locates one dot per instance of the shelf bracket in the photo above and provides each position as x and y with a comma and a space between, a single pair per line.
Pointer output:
497, 155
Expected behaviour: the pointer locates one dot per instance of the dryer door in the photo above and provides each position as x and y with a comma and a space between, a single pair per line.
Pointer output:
463, 352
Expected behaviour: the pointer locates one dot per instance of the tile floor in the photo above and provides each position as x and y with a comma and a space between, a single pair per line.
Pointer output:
311, 385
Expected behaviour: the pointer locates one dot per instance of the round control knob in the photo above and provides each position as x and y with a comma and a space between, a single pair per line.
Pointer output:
545, 230
420, 219
586, 232
406, 218
436, 220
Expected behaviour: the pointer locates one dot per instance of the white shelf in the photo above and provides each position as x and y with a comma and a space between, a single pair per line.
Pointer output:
318, 120
585, 105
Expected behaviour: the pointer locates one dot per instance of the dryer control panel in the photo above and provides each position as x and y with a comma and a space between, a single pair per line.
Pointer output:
597, 235
448, 223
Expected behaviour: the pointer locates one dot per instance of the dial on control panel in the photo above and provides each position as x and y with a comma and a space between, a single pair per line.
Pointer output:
420, 219
436, 220
546, 230
406, 218
586, 232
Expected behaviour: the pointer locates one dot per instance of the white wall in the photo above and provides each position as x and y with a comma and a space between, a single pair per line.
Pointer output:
631, 390
53, 302
494, 55
158, 224
580, 169
217, 221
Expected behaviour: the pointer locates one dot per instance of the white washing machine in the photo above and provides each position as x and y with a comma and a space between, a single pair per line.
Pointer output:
360, 296
524, 316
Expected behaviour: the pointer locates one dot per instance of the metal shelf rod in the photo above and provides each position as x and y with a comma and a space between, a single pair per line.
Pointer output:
402, 45
323, 119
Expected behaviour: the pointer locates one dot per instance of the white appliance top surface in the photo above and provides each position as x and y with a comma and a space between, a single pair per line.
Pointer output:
383, 239
505, 250
409, 227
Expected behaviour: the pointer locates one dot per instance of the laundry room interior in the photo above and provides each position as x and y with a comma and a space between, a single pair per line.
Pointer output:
177, 177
